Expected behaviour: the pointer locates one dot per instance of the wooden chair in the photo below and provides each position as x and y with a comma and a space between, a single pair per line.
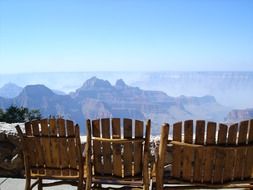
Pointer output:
115, 158
206, 155
52, 150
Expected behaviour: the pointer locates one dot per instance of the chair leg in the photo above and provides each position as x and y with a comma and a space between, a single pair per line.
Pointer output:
251, 187
28, 183
40, 184
88, 184
145, 187
80, 184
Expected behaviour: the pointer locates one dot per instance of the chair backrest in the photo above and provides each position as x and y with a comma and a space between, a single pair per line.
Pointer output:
52, 147
208, 152
212, 133
119, 147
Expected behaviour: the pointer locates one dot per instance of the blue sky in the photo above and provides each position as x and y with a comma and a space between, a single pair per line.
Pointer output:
126, 35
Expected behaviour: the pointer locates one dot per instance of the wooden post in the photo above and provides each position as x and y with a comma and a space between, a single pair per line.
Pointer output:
26, 162
146, 157
80, 159
88, 156
161, 156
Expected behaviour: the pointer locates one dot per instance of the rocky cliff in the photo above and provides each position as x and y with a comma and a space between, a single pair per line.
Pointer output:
98, 98
240, 115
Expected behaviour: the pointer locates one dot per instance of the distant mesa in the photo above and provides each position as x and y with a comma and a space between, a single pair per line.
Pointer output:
94, 82
239, 115
97, 98
37, 90
233, 89
10, 90
120, 84
197, 100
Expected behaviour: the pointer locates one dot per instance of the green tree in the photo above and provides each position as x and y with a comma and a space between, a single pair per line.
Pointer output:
1, 114
14, 114
34, 114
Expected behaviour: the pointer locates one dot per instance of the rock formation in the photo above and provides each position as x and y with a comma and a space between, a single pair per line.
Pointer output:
11, 159
239, 115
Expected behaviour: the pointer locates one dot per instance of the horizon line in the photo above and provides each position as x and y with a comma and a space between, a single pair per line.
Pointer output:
121, 71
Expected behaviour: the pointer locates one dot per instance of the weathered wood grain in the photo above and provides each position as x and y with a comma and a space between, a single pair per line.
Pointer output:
117, 157
128, 148
107, 151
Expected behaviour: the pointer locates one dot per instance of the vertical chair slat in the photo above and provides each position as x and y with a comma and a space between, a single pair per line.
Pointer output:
28, 128
211, 131
35, 128
138, 148
232, 134
198, 164
222, 134
54, 145
177, 160
188, 131
243, 130
107, 152
97, 148
128, 148
229, 164
240, 163
46, 145
220, 155
39, 158
72, 146
176, 150
200, 132
63, 145
241, 154
31, 147
187, 170
249, 163
117, 157
250, 138
218, 165
34, 147
209, 162
177, 132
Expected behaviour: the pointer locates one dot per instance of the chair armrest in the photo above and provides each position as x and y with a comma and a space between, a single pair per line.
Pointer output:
185, 144
118, 140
